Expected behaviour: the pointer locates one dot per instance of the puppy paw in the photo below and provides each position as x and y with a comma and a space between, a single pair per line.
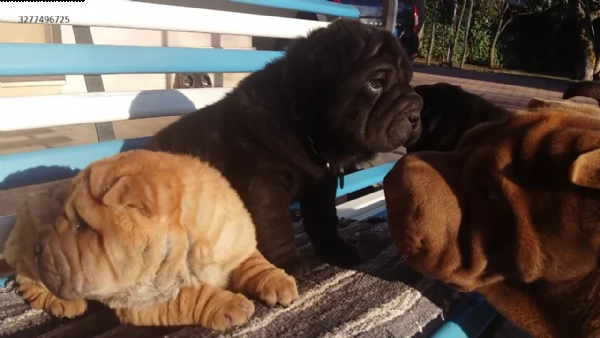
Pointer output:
66, 308
294, 266
229, 312
40, 298
277, 287
338, 253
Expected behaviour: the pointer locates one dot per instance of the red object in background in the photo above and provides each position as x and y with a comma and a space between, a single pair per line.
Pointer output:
337, 0
415, 16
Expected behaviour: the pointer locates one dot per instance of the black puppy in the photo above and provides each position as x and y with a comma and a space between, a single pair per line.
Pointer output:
448, 112
338, 97
589, 89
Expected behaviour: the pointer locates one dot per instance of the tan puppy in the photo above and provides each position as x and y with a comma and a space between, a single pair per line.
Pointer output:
514, 214
155, 236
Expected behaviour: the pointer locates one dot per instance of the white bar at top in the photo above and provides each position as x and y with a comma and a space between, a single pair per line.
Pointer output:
140, 15
28, 112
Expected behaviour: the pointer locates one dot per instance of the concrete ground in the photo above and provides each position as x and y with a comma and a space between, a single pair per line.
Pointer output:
512, 91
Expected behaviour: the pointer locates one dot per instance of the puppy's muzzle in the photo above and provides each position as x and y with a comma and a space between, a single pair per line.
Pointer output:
412, 109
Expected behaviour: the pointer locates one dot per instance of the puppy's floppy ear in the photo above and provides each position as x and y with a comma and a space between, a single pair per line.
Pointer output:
536, 102
114, 185
335, 55
585, 170
132, 192
102, 176
564, 107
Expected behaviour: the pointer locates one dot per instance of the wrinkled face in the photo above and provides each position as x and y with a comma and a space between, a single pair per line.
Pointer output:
518, 200
111, 234
350, 82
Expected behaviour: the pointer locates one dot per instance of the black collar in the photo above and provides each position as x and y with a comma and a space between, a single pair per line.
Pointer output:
305, 135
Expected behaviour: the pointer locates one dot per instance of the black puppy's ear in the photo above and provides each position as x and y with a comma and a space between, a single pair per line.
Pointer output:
336, 56
335, 52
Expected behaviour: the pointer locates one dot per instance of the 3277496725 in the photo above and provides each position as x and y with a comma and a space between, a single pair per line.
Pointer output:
44, 19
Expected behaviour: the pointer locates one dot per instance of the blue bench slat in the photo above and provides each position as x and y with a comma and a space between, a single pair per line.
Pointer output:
311, 6
47, 165
32, 59
468, 321
364, 178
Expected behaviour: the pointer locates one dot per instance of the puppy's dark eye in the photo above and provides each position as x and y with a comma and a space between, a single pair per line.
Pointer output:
376, 81
80, 224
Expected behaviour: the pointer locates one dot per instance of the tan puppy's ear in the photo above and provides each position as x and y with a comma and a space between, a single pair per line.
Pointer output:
102, 177
132, 192
585, 170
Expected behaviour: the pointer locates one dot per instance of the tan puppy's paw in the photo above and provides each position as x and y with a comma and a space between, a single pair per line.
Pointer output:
256, 276
66, 308
231, 311
278, 288
40, 298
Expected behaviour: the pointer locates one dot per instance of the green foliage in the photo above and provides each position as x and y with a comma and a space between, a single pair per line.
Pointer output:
479, 33
542, 37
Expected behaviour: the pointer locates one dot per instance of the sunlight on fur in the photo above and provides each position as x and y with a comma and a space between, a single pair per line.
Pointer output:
161, 238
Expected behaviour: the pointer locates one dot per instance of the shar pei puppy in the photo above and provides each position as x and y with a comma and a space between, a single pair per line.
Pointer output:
512, 213
448, 112
160, 238
589, 89
336, 98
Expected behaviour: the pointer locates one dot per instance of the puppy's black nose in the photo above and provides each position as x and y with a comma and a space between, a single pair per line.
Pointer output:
37, 250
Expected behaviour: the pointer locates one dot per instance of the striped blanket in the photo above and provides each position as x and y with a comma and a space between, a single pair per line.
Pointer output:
381, 298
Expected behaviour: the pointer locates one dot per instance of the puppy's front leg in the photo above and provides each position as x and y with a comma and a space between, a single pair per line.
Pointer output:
39, 297
320, 222
274, 226
520, 309
258, 277
203, 304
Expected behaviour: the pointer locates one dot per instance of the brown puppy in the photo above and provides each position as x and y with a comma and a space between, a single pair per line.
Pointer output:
568, 107
514, 214
448, 112
336, 98
155, 236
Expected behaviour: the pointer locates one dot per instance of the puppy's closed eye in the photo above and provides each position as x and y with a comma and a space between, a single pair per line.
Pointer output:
80, 224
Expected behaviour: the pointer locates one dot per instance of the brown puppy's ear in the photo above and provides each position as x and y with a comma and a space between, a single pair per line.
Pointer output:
132, 192
585, 170
563, 107
536, 102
